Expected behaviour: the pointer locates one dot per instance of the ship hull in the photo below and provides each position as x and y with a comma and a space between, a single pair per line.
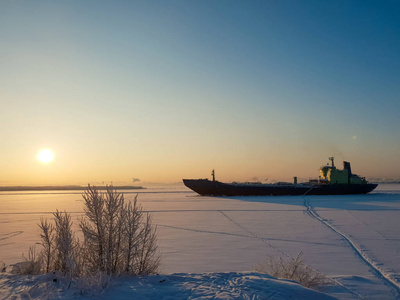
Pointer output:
206, 187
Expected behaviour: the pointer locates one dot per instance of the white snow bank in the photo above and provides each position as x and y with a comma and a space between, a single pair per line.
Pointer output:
229, 285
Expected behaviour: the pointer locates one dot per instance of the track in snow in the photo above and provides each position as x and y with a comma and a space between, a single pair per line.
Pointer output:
361, 254
286, 254
251, 234
264, 240
10, 235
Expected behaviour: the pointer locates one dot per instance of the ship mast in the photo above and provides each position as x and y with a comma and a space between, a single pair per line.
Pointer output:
331, 159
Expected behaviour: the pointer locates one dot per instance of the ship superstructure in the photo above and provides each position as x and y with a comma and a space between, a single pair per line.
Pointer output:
332, 175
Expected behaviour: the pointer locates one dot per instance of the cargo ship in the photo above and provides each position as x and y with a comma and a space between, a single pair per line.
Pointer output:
331, 181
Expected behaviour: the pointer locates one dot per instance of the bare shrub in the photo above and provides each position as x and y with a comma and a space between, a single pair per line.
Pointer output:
81, 256
114, 219
47, 240
147, 258
30, 265
294, 269
64, 242
131, 227
141, 256
93, 285
93, 228
118, 237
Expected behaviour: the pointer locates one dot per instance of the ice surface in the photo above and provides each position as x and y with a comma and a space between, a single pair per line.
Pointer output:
355, 241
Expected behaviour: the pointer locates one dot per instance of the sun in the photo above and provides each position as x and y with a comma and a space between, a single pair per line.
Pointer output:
45, 156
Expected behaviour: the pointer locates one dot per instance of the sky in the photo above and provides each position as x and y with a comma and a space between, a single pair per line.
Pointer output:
165, 90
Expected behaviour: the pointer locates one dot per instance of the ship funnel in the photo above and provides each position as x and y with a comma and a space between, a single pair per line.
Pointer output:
346, 166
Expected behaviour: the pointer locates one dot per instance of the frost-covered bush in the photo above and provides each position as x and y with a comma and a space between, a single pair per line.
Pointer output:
31, 265
118, 238
294, 269
47, 242
64, 243
93, 285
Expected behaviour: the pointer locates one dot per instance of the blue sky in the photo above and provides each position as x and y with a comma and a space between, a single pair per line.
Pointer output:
162, 90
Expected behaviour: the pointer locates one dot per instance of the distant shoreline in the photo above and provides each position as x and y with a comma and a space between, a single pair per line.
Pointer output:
63, 188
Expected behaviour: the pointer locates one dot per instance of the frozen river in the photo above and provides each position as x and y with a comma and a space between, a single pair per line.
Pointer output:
355, 240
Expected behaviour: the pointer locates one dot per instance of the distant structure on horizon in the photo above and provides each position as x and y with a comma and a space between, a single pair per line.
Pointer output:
62, 188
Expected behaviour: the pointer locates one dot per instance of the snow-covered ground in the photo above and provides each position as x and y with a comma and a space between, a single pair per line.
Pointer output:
354, 240
225, 285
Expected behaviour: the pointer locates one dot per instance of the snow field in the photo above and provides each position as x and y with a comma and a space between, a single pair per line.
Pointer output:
352, 239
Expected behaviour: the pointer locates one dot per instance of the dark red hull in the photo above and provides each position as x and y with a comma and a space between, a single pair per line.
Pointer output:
206, 187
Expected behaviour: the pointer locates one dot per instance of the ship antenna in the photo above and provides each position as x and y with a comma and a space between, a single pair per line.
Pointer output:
213, 175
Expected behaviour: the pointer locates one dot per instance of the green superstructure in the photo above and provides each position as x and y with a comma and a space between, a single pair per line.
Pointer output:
332, 175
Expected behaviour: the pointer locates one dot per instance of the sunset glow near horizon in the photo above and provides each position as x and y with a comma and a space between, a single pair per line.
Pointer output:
165, 90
